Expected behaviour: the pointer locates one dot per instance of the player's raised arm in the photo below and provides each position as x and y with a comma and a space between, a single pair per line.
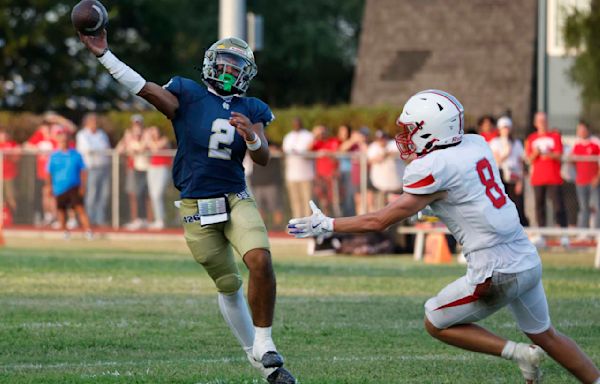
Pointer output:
405, 206
156, 95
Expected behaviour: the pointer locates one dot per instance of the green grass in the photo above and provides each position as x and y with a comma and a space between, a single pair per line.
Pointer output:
75, 312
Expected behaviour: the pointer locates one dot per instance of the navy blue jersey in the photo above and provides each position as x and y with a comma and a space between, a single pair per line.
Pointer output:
209, 150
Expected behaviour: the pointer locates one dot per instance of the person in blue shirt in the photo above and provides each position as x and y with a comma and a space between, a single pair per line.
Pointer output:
67, 177
215, 124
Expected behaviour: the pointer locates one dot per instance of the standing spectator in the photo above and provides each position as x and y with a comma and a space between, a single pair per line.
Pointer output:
486, 127
509, 153
159, 174
299, 171
43, 143
544, 150
136, 184
347, 189
10, 156
326, 166
67, 180
266, 183
92, 143
587, 176
360, 143
384, 174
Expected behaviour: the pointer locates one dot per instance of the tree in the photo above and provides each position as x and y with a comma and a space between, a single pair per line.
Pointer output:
582, 33
308, 56
43, 65
310, 50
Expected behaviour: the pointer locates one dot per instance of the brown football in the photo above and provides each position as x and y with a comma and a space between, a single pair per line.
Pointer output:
89, 17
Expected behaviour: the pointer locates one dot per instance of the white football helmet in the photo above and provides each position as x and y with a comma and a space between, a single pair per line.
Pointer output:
429, 119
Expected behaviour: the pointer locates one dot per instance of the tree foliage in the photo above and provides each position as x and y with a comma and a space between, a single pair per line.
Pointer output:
582, 33
308, 55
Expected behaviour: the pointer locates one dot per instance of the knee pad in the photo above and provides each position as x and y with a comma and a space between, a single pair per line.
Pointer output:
229, 284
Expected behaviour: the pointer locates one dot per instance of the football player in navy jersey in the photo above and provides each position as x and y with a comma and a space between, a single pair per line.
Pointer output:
215, 125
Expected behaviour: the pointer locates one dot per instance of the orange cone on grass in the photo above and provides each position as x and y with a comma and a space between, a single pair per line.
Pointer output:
436, 249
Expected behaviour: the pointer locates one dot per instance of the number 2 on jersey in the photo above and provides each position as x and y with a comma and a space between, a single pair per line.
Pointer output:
222, 133
487, 179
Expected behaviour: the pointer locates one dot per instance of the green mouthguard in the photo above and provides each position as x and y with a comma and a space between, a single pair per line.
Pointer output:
228, 81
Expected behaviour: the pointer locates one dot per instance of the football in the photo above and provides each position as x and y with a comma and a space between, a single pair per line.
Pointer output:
89, 17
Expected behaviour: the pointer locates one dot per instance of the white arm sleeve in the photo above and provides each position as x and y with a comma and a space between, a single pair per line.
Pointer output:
126, 76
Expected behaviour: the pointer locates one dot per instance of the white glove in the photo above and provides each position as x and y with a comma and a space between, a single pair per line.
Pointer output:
310, 226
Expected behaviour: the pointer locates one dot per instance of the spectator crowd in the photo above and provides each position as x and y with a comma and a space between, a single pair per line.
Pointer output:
72, 186
333, 167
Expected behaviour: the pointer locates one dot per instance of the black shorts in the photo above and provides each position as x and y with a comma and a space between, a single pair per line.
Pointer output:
69, 199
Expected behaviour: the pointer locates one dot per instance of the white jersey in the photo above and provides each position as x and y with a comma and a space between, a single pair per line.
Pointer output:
476, 210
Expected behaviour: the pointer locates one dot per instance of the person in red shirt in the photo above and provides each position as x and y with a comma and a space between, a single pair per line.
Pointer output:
10, 156
326, 166
543, 150
44, 143
587, 176
486, 127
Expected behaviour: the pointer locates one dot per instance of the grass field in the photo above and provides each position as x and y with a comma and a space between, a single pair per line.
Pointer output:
127, 312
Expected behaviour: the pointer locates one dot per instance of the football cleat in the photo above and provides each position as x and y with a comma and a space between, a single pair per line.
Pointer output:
529, 358
265, 372
272, 359
281, 376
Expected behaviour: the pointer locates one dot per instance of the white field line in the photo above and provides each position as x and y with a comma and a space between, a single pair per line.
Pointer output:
375, 326
334, 359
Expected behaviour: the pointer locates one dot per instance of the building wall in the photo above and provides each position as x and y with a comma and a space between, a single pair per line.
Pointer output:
482, 51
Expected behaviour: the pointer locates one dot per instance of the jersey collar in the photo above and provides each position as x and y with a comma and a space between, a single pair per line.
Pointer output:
226, 98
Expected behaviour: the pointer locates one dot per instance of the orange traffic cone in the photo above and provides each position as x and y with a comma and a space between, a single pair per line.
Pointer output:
436, 249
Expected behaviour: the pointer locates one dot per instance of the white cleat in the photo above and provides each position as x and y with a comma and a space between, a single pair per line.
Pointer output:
265, 372
529, 358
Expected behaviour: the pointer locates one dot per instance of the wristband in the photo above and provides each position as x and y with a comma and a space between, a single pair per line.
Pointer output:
329, 224
255, 144
126, 76
103, 52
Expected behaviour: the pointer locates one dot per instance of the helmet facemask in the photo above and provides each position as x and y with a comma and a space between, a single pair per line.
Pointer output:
229, 66
404, 139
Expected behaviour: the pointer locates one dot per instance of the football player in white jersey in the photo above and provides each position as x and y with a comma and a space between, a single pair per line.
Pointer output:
456, 175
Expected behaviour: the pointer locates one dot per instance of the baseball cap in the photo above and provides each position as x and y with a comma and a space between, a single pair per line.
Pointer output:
504, 121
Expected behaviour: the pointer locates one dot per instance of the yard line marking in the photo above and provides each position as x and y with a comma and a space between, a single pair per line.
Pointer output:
334, 359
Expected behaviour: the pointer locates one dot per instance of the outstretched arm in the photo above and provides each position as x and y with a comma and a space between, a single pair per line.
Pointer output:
403, 207
162, 99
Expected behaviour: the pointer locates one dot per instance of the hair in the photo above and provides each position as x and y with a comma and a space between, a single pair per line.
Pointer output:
298, 119
484, 118
348, 126
88, 116
584, 123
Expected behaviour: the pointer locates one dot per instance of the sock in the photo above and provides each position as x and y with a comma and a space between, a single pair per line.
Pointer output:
509, 350
237, 316
263, 342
